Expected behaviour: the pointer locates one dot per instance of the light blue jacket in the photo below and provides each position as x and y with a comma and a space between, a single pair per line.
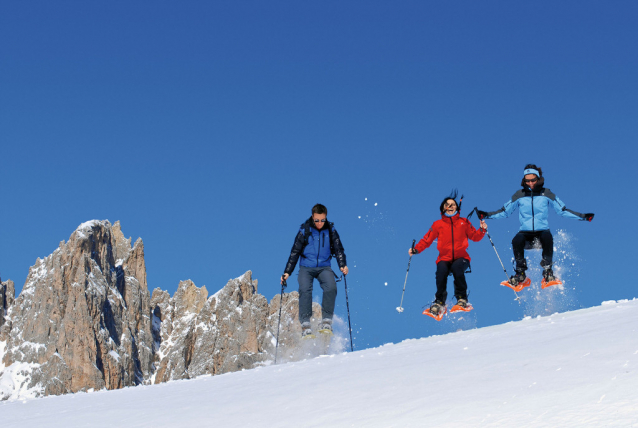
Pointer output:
533, 209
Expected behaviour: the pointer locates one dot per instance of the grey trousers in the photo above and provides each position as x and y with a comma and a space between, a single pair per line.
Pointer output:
326, 278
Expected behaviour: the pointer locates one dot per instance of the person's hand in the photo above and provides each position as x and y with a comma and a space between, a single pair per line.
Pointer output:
481, 214
284, 277
412, 251
483, 225
344, 270
589, 216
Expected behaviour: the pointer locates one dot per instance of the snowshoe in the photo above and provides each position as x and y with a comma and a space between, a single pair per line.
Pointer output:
549, 279
517, 282
461, 306
436, 311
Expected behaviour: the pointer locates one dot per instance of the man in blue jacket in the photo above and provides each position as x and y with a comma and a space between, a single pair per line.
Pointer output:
533, 203
316, 242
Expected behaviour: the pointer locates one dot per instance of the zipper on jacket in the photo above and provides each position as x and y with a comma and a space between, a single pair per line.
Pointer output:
452, 224
533, 225
318, 248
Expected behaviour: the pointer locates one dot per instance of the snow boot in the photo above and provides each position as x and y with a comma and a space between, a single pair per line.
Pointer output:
461, 306
306, 331
548, 278
548, 274
326, 326
518, 278
518, 281
436, 310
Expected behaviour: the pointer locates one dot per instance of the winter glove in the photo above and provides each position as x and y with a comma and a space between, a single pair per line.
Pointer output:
481, 214
589, 216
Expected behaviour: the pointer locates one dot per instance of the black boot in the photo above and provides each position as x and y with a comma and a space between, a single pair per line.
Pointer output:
518, 278
548, 274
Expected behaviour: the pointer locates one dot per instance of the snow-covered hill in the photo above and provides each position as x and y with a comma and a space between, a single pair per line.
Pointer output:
574, 369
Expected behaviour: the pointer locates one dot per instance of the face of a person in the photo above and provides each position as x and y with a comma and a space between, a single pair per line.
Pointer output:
319, 219
449, 207
530, 180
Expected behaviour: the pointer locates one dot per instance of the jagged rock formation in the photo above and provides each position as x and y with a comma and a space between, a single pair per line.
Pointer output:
85, 320
7, 296
82, 319
201, 335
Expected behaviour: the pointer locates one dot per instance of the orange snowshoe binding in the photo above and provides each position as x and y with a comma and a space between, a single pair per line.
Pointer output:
461, 306
518, 282
436, 310
549, 279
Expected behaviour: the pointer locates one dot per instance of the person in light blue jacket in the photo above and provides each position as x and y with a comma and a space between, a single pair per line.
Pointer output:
533, 202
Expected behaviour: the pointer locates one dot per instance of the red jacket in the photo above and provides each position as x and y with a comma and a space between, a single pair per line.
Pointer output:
452, 234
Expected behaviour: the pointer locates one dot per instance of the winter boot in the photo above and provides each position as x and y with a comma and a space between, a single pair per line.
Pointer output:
325, 326
436, 310
462, 303
437, 307
548, 278
518, 278
548, 274
306, 331
461, 306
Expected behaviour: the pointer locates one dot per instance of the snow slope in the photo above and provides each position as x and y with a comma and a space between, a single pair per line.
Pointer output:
574, 369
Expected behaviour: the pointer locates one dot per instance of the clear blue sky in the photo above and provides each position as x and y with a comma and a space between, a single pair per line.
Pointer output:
210, 129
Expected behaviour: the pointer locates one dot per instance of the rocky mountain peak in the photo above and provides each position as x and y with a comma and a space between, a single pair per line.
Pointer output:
85, 320
82, 319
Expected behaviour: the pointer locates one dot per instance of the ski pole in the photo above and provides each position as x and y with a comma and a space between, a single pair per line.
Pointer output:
281, 303
494, 246
400, 308
348, 309
502, 265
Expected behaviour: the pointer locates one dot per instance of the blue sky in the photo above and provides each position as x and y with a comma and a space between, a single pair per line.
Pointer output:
210, 129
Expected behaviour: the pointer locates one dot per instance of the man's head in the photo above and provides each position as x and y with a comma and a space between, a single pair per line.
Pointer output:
319, 214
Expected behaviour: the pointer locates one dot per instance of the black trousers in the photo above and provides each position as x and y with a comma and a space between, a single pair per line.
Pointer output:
527, 240
458, 268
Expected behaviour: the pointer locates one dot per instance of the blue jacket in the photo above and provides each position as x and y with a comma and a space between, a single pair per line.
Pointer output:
316, 247
533, 209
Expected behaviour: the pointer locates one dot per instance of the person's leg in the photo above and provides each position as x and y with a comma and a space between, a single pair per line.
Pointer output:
547, 242
328, 284
518, 246
442, 271
459, 266
305, 279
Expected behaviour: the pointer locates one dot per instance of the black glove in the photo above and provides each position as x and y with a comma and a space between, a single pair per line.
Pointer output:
481, 214
589, 216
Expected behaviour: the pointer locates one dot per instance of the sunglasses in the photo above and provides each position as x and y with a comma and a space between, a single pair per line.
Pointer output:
321, 221
533, 180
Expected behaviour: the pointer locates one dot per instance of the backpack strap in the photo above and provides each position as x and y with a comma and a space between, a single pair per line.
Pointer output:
306, 233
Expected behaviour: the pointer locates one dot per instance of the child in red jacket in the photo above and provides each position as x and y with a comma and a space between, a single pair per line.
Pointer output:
452, 232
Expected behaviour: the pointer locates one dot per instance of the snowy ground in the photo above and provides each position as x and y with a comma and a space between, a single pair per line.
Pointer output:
574, 369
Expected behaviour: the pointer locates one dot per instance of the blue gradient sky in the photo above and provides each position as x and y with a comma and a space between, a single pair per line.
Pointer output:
210, 129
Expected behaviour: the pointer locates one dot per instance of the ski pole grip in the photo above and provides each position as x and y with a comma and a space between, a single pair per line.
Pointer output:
283, 281
413, 249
